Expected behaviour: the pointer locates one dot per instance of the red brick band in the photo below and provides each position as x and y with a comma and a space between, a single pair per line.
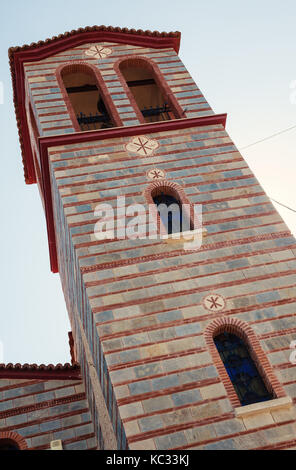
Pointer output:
14, 438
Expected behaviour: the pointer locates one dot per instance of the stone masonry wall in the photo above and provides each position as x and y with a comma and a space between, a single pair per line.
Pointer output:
48, 103
146, 306
41, 411
143, 303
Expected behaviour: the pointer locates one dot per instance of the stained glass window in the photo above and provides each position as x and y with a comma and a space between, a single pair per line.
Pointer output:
241, 369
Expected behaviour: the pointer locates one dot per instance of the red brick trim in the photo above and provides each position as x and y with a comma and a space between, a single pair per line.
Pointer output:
171, 429
72, 347
66, 442
245, 332
45, 419
157, 256
199, 263
172, 189
149, 64
80, 137
42, 405
273, 426
103, 90
14, 438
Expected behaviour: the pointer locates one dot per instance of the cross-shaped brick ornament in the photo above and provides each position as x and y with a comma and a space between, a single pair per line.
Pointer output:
214, 302
155, 174
98, 52
142, 145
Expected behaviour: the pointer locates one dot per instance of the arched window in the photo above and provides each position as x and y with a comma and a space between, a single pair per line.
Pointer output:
86, 100
170, 208
10, 440
8, 444
171, 212
241, 368
149, 95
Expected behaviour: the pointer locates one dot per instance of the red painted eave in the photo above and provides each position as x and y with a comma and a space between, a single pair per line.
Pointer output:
34, 371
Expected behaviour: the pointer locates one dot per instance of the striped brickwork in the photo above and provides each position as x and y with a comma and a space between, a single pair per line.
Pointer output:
48, 103
40, 411
142, 302
139, 308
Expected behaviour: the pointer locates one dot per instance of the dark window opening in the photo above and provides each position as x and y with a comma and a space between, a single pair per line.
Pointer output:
86, 100
171, 213
242, 370
149, 97
8, 444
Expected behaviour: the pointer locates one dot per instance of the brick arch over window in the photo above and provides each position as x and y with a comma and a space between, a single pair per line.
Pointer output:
244, 332
156, 74
92, 71
15, 439
171, 189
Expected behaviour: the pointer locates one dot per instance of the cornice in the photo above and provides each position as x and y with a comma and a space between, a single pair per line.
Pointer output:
42, 371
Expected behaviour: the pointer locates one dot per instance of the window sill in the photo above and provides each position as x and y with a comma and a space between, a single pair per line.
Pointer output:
183, 237
263, 407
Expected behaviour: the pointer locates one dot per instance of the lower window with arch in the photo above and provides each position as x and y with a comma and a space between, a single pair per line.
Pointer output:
242, 369
11, 440
175, 212
171, 213
8, 444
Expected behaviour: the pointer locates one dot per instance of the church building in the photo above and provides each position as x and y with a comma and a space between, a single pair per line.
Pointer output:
174, 346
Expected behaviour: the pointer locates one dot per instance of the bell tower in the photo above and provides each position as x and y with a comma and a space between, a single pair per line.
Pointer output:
180, 346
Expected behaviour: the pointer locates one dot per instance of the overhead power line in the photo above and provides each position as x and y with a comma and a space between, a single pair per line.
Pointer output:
269, 137
263, 140
287, 207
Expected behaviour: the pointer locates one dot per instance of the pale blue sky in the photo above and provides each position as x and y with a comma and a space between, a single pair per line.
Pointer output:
242, 56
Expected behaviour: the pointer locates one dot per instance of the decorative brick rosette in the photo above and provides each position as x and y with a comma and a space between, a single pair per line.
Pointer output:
142, 145
214, 302
98, 52
155, 174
